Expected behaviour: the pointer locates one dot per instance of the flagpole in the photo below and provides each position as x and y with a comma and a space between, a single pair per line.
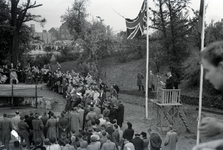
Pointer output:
147, 59
201, 76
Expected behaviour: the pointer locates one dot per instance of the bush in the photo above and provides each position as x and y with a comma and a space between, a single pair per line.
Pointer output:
40, 60
69, 57
207, 101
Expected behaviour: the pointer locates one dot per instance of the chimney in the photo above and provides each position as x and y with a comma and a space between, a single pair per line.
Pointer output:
33, 27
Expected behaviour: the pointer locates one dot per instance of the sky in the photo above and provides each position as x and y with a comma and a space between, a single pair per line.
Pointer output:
111, 11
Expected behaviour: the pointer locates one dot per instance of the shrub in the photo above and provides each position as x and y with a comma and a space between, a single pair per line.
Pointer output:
40, 60
69, 57
207, 101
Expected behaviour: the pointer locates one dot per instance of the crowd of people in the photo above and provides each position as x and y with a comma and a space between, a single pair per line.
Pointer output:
92, 119
11, 74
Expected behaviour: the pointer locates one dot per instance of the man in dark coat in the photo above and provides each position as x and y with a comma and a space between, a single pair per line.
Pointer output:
137, 142
129, 132
102, 97
63, 125
29, 122
44, 119
140, 77
102, 86
24, 131
37, 128
120, 114
6, 128
169, 81
155, 140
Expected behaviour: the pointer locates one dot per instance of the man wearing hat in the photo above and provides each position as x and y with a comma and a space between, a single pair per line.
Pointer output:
15, 120
137, 142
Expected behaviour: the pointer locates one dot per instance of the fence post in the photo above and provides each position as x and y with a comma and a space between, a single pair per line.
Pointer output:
36, 94
12, 97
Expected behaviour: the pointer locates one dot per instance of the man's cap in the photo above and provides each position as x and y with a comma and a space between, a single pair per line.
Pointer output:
143, 134
137, 134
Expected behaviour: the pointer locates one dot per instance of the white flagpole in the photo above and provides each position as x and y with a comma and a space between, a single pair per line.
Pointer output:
147, 58
201, 76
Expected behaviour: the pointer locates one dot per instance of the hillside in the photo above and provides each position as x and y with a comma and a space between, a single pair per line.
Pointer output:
124, 74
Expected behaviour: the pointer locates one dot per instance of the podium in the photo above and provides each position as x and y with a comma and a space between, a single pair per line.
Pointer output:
167, 107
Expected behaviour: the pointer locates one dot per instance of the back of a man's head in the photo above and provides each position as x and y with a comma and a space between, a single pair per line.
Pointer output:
213, 53
38, 141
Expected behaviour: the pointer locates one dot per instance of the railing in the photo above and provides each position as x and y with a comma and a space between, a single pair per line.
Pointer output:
168, 96
19, 90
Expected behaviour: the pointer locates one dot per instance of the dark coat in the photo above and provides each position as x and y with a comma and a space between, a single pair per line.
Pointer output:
138, 143
23, 129
120, 114
139, 79
128, 134
44, 120
6, 128
63, 125
112, 114
29, 122
170, 82
102, 98
115, 137
37, 128
155, 141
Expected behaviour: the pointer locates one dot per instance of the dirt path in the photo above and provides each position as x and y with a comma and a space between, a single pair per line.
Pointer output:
61, 102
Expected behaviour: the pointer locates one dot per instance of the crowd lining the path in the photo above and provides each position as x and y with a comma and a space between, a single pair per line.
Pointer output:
91, 120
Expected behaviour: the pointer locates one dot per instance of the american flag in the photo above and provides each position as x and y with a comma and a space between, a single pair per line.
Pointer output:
135, 27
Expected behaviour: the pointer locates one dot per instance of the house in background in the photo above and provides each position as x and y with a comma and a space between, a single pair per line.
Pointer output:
54, 33
44, 36
64, 32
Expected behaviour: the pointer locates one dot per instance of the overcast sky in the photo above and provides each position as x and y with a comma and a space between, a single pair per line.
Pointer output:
53, 9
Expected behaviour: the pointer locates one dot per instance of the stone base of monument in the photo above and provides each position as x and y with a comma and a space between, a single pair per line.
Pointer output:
42, 102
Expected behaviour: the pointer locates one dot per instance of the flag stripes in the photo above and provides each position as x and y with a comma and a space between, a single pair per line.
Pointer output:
135, 27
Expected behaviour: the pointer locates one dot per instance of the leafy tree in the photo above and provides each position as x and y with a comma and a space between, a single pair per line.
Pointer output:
76, 18
96, 39
172, 20
214, 32
5, 32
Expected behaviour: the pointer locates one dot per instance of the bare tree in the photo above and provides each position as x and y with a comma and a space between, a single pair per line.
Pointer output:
20, 15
